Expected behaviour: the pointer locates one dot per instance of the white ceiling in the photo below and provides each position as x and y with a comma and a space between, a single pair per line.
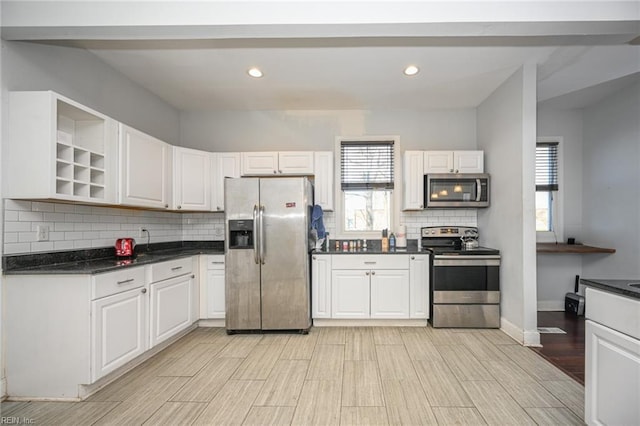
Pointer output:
321, 77
342, 55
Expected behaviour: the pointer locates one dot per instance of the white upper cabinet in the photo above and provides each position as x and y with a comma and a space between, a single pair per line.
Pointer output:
453, 162
191, 179
277, 163
60, 150
413, 180
323, 181
295, 163
145, 170
223, 165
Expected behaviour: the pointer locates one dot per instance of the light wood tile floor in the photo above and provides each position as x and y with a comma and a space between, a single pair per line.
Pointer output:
333, 376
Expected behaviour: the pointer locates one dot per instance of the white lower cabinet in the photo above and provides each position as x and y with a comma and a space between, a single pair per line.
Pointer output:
171, 307
419, 286
118, 330
390, 293
212, 291
350, 294
363, 286
321, 286
172, 293
65, 332
612, 359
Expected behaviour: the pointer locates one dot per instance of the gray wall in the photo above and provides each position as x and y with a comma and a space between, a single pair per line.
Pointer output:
83, 77
556, 273
317, 130
506, 135
611, 201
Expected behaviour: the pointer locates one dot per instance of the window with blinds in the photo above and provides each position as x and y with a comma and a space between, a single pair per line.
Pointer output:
547, 166
366, 165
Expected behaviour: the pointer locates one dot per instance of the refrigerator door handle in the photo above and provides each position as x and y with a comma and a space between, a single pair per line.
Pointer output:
256, 235
261, 243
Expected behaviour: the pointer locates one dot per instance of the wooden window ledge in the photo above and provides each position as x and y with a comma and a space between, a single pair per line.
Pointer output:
570, 248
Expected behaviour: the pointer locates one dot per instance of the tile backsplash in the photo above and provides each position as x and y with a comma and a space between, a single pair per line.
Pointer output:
73, 227
78, 227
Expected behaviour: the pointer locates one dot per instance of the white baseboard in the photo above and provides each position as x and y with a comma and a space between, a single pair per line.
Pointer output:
550, 305
211, 323
318, 322
524, 337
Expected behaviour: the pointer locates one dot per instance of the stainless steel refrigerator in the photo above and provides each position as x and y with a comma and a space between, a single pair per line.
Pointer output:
267, 272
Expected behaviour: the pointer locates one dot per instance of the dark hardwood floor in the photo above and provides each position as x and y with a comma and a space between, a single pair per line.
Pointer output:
565, 351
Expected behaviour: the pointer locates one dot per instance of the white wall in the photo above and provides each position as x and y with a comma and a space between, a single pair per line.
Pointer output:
317, 130
611, 177
83, 77
506, 132
556, 272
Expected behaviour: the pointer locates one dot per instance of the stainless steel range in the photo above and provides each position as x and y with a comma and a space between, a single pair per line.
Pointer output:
465, 278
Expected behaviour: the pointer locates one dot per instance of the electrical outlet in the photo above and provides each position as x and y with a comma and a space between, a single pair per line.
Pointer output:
141, 232
42, 233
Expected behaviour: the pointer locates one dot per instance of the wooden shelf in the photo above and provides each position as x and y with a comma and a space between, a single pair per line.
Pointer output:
561, 248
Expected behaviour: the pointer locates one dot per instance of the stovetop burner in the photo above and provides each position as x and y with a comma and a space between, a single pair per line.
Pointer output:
447, 240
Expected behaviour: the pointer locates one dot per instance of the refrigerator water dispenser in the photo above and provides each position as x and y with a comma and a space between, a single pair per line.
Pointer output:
241, 234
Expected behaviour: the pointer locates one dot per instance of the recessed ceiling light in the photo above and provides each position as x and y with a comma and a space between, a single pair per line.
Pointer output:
411, 70
254, 72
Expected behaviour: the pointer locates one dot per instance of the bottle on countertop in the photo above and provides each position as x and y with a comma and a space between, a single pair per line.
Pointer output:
385, 241
392, 242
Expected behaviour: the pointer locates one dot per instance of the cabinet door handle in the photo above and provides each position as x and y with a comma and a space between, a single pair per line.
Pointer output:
370, 263
366, 273
217, 263
125, 281
373, 272
143, 291
176, 268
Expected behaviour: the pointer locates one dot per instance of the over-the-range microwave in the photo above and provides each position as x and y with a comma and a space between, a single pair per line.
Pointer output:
463, 190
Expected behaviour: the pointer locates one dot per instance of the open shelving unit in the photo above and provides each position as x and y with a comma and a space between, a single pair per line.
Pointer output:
80, 153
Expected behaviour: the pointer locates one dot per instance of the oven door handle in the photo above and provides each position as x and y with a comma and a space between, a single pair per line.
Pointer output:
478, 190
466, 260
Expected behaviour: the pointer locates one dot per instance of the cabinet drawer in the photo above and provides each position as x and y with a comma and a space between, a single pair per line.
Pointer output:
370, 261
116, 282
215, 262
172, 268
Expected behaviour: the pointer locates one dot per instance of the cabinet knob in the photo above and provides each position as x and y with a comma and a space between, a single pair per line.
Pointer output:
218, 208
373, 272
280, 171
450, 170
275, 172
421, 206
413, 257
143, 291
193, 275
179, 207
166, 206
313, 257
366, 273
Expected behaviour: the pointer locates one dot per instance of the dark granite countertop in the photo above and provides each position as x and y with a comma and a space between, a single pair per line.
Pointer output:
621, 287
373, 247
96, 261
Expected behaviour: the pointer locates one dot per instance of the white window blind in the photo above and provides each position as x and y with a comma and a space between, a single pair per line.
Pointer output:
366, 165
547, 166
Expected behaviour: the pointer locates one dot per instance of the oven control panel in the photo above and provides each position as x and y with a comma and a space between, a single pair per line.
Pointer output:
447, 231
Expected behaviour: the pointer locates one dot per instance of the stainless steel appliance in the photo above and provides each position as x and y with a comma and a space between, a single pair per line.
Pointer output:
267, 280
456, 190
465, 282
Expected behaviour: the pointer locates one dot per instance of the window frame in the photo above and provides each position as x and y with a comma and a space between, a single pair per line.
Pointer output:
557, 203
339, 193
